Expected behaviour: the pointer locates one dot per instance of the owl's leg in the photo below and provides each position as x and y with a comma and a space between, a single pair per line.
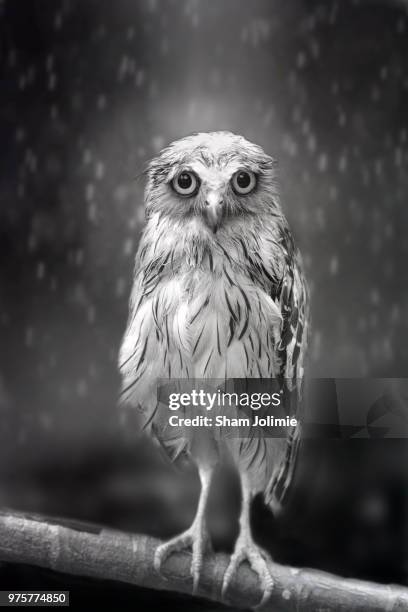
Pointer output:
247, 550
196, 536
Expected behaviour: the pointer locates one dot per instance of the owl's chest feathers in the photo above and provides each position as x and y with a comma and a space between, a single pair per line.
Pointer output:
213, 311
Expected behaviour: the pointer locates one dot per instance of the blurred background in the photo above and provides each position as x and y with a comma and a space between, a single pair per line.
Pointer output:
90, 91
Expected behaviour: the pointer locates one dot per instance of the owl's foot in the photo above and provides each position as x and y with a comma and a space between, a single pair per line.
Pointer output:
197, 539
247, 550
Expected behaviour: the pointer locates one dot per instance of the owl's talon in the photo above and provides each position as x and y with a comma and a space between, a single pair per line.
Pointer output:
195, 538
258, 562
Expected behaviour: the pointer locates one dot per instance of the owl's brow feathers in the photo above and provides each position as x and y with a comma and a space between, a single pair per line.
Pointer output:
219, 148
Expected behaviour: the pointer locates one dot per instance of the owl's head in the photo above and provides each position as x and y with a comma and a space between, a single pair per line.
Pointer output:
215, 177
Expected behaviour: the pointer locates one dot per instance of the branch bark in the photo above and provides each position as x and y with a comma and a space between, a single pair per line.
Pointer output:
88, 550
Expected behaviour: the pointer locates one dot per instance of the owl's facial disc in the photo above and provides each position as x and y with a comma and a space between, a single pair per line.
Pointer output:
214, 191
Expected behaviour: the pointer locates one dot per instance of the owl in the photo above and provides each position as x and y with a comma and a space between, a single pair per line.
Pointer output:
218, 293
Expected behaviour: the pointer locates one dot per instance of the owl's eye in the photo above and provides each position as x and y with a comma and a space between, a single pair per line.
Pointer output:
243, 182
185, 183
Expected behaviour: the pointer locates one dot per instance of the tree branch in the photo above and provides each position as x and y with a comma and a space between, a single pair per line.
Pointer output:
88, 550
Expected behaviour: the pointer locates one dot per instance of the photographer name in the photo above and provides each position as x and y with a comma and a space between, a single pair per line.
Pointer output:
225, 421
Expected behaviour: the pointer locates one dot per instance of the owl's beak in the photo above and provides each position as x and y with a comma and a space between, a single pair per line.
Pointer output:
214, 210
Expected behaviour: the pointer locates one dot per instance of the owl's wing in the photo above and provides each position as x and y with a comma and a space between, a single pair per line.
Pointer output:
143, 355
142, 345
292, 295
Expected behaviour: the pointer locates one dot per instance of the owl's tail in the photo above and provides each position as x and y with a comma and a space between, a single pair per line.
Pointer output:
277, 490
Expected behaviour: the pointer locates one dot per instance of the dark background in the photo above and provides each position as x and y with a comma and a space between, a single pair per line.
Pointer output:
89, 92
